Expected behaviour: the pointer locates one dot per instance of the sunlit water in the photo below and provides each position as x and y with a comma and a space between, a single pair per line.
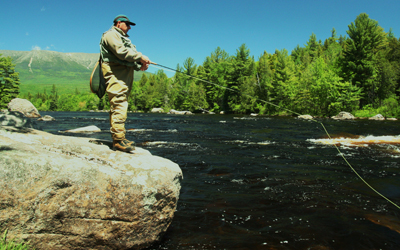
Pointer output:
269, 182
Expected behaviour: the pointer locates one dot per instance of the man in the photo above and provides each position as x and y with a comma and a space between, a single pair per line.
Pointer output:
119, 61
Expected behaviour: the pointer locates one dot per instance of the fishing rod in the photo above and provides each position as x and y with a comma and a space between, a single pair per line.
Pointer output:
290, 111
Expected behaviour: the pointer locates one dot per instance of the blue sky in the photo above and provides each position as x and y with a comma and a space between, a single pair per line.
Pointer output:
169, 32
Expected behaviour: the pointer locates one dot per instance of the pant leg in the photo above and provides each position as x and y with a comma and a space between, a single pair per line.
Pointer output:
119, 79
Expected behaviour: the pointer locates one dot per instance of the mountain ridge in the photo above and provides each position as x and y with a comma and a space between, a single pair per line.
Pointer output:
39, 70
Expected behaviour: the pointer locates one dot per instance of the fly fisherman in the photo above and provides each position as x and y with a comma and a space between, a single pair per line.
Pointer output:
119, 61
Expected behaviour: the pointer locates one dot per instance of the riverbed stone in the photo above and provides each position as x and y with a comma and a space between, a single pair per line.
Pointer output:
62, 192
24, 106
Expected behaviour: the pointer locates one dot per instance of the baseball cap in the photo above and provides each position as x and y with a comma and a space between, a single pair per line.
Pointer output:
123, 18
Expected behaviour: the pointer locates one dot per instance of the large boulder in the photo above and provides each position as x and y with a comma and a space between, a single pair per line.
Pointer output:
61, 192
344, 116
24, 106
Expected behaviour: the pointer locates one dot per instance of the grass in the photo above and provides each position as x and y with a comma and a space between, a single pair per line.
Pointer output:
11, 245
65, 82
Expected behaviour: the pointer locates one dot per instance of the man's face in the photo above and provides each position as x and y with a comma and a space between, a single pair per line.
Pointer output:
123, 26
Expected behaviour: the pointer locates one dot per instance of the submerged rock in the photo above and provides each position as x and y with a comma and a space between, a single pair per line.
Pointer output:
24, 106
61, 192
87, 129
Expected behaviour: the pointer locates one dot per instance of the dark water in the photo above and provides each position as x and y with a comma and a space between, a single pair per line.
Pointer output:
258, 183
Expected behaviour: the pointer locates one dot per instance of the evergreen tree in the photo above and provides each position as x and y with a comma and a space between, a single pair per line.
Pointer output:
313, 47
9, 81
360, 56
243, 68
265, 73
284, 84
217, 69
53, 99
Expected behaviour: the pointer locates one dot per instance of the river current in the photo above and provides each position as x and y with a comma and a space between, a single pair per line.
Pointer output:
269, 182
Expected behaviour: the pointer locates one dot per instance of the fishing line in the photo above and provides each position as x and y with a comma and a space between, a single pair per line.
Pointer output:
282, 108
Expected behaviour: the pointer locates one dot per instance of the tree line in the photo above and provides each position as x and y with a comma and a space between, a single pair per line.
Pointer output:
358, 73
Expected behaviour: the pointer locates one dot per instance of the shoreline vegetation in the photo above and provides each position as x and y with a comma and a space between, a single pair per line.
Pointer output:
358, 73
7, 244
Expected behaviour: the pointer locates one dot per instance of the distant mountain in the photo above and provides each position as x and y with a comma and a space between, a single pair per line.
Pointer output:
40, 69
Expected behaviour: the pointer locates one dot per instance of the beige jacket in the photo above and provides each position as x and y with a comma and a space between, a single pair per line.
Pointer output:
116, 47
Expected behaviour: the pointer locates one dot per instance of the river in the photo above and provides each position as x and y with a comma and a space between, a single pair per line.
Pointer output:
268, 182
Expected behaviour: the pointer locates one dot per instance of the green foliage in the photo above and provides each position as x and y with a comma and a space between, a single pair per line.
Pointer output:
11, 245
361, 71
328, 94
9, 81
389, 108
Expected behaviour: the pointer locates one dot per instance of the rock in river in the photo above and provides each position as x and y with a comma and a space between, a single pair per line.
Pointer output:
87, 129
24, 106
61, 192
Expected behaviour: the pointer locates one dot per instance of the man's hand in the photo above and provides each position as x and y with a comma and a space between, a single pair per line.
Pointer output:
145, 63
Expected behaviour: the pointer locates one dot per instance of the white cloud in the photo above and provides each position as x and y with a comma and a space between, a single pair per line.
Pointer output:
36, 47
43, 9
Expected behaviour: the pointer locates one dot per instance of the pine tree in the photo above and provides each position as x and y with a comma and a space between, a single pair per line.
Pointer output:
9, 81
243, 68
53, 99
360, 56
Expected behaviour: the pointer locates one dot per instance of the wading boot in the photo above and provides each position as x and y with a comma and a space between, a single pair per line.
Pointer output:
123, 145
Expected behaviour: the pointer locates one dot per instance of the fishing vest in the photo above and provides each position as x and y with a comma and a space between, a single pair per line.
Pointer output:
112, 51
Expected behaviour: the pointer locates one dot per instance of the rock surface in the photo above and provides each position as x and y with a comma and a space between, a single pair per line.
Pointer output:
176, 112
344, 116
63, 192
157, 110
307, 117
378, 117
46, 118
15, 119
24, 106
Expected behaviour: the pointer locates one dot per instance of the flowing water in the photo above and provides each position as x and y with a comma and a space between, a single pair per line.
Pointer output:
269, 182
